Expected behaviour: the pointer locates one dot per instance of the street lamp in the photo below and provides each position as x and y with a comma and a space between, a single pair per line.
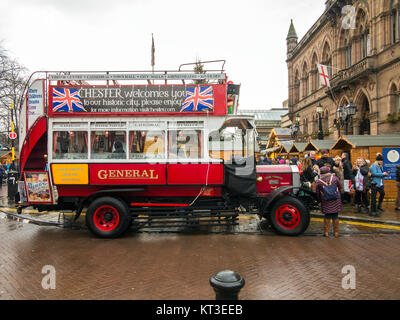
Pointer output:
344, 116
351, 109
320, 110
296, 127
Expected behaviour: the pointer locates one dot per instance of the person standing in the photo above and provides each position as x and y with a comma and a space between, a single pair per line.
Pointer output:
398, 187
348, 177
329, 207
361, 174
339, 172
326, 159
312, 157
2, 175
308, 174
377, 185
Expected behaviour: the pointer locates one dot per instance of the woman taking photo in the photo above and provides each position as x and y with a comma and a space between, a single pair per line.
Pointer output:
308, 174
339, 171
362, 177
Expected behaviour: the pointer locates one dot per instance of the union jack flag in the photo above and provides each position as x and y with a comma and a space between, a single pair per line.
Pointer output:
67, 100
199, 99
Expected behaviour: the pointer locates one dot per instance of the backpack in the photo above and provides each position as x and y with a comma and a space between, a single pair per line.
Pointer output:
331, 191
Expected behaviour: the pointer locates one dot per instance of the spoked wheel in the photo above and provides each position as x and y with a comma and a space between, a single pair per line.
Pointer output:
289, 216
108, 217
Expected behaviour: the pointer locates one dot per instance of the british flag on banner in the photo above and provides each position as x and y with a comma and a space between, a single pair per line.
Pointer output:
324, 75
67, 100
198, 99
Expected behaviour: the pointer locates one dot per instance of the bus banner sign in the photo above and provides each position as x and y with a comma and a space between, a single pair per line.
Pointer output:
141, 76
138, 99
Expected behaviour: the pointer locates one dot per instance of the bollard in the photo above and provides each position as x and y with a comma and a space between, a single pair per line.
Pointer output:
227, 285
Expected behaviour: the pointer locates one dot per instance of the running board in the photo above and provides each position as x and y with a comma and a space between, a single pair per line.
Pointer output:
186, 219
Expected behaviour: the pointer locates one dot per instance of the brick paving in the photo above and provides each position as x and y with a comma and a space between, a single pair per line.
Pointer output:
178, 266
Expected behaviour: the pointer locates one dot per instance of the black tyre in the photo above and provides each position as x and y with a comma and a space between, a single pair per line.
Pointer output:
108, 217
289, 216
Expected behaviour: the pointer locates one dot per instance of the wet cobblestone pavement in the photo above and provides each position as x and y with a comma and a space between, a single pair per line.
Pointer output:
177, 264
351, 222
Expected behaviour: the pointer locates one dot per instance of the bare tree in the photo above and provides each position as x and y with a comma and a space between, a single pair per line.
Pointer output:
12, 81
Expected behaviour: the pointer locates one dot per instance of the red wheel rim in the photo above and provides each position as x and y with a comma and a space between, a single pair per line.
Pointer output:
288, 216
106, 218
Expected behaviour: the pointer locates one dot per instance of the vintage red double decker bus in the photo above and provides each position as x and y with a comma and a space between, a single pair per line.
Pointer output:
132, 153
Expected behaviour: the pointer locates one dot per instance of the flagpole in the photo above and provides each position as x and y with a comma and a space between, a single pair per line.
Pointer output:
152, 55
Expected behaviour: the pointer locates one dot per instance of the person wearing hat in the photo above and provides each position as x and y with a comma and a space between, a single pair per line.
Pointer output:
377, 185
330, 208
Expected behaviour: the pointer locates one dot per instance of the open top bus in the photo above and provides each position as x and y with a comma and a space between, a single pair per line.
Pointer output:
129, 152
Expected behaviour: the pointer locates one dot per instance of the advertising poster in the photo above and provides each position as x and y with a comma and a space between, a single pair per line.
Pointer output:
35, 102
38, 187
391, 158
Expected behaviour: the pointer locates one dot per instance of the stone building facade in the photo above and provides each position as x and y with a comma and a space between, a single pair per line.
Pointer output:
360, 44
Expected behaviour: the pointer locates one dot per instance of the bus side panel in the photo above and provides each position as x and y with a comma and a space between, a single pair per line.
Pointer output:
127, 174
195, 174
150, 191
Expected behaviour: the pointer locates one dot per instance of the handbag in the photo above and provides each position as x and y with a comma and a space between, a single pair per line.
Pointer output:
331, 191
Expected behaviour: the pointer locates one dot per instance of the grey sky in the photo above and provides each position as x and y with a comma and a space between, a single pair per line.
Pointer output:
116, 35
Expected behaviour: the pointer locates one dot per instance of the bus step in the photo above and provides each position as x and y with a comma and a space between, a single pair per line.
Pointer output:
185, 221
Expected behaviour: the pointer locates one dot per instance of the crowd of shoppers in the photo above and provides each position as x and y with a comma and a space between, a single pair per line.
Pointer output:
363, 180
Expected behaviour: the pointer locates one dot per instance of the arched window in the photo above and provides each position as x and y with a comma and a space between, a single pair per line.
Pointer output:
314, 124
365, 43
325, 121
305, 126
395, 21
394, 100
364, 34
296, 87
305, 81
349, 59
327, 58
315, 75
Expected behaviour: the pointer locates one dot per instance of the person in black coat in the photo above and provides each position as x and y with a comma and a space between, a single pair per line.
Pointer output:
326, 159
348, 175
2, 174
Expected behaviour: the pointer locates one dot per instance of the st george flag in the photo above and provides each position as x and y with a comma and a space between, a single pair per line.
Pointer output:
67, 100
198, 99
324, 75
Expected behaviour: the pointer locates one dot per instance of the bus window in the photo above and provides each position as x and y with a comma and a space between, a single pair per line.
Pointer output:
70, 145
147, 144
185, 144
108, 145
233, 140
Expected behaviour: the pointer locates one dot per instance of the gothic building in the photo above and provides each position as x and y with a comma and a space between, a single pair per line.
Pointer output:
360, 44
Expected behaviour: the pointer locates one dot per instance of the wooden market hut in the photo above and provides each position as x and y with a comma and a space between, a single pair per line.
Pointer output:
5, 156
367, 147
277, 136
297, 149
364, 146
319, 145
285, 148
